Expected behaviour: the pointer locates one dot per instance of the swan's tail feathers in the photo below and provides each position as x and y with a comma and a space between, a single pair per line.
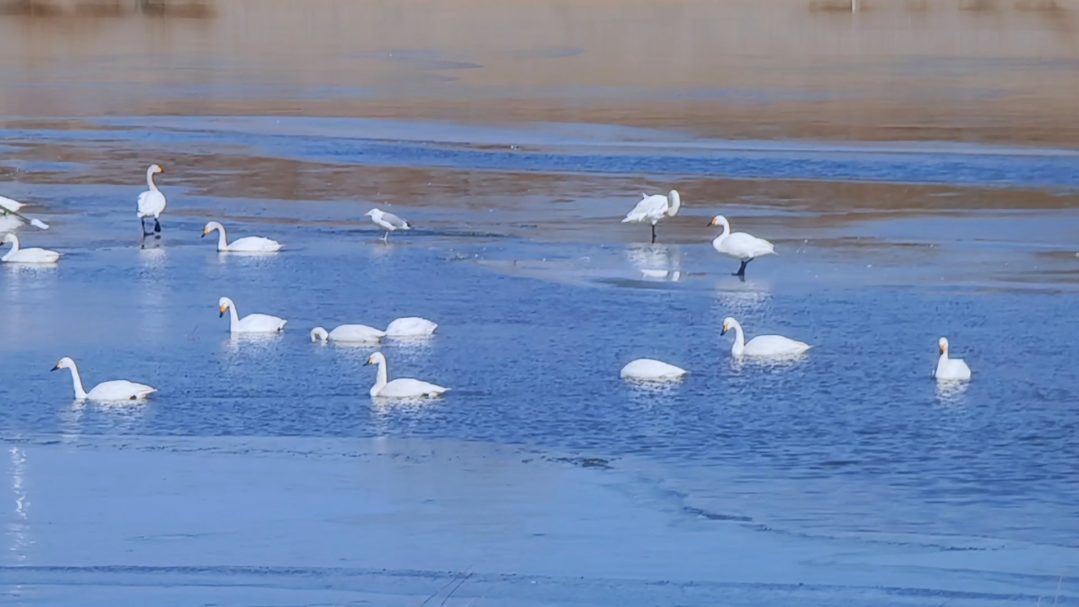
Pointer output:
631, 218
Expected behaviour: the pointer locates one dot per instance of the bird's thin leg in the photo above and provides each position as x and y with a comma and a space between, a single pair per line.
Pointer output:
386, 237
157, 227
653, 233
145, 233
742, 269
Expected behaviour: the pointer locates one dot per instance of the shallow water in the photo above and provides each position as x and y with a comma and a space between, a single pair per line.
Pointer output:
852, 450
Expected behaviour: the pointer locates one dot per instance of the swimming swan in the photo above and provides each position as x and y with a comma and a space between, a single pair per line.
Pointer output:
653, 209
401, 387
253, 323
250, 244
410, 326
950, 369
762, 345
349, 333
740, 245
17, 255
388, 222
151, 202
108, 391
648, 369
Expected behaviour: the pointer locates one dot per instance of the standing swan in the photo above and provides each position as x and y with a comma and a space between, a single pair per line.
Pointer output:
250, 244
653, 209
348, 333
740, 245
253, 323
400, 387
647, 369
17, 255
108, 391
765, 346
388, 222
151, 202
950, 369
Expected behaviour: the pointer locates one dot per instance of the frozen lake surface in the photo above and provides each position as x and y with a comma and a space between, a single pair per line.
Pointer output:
262, 473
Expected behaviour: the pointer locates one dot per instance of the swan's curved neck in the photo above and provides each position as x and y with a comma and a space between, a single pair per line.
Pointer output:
674, 203
150, 180
80, 392
739, 339
222, 240
724, 234
14, 240
383, 376
234, 317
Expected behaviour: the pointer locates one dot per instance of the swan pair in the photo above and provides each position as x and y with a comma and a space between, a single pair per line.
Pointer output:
653, 209
412, 326
17, 255
400, 387
388, 222
762, 346
252, 323
116, 390
250, 244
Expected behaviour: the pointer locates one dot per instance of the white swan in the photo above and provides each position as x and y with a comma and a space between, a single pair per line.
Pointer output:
17, 255
762, 345
648, 369
151, 202
401, 387
107, 391
349, 333
950, 369
740, 245
252, 323
410, 326
388, 222
12, 207
250, 244
653, 209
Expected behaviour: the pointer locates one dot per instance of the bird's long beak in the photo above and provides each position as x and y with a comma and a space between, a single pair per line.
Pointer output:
943, 349
203, 234
367, 363
223, 310
725, 329
55, 368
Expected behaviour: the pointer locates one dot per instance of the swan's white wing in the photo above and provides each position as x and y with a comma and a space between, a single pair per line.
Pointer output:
10, 205
651, 370
119, 390
34, 255
151, 204
410, 388
254, 244
411, 326
261, 323
652, 207
746, 246
774, 345
356, 333
955, 369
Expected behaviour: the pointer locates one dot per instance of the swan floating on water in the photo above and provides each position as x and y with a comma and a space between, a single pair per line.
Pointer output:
410, 326
950, 369
253, 323
151, 202
764, 346
249, 244
653, 209
401, 387
115, 390
647, 369
17, 255
388, 222
348, 333
740, 245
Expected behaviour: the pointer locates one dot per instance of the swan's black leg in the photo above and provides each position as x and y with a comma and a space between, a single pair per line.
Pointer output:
145, 233
157, 226
653, 233
741, 273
